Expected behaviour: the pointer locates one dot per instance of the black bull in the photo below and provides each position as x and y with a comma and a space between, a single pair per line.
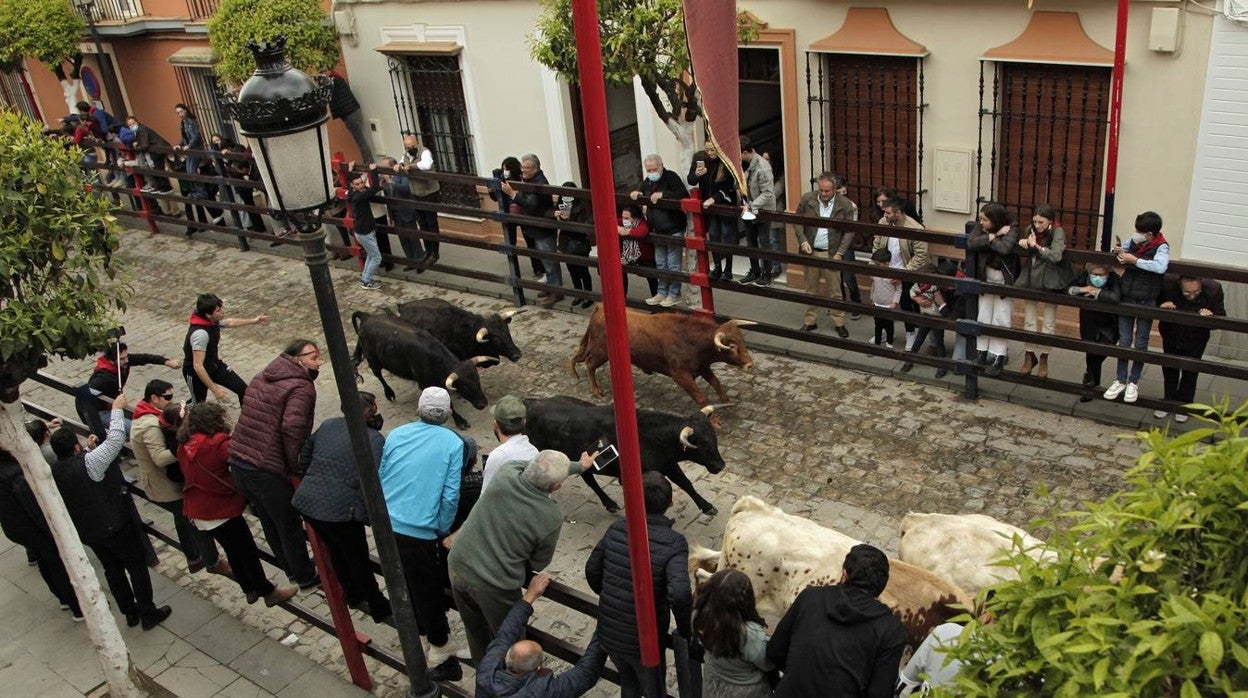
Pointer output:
573, 426
465, 333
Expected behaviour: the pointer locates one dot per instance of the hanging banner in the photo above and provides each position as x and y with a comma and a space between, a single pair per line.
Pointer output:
711, 29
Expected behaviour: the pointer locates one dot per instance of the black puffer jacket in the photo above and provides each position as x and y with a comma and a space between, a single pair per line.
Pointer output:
21, 519
610, 576
330, 490
276, 417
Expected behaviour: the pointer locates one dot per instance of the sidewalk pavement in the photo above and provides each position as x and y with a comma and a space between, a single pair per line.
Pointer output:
199, 652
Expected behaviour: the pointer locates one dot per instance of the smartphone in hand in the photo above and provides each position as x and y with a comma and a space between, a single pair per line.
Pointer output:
606, 457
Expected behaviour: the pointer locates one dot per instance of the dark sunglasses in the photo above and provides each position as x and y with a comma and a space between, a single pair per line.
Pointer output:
168, 397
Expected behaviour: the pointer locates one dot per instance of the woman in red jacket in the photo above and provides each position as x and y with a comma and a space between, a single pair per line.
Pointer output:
215, 505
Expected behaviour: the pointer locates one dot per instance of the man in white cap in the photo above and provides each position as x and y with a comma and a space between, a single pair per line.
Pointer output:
420, 475
513, 443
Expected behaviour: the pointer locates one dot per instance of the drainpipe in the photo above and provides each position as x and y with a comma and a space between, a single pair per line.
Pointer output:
1115, 121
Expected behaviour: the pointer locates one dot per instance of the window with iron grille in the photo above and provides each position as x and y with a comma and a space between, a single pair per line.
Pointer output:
202, 93
429, 99
15, 94
866, 122
1046, 125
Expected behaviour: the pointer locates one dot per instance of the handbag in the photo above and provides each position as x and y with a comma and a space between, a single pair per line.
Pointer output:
630, 251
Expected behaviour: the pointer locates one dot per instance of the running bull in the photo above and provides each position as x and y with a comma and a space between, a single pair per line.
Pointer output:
465, 333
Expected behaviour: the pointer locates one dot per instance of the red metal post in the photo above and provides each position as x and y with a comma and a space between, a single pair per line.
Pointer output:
697, 243
602, 194
350, 640
1115, 122
342, 177
145, 203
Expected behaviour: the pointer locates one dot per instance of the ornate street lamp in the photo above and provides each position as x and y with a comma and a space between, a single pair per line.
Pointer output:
282, 112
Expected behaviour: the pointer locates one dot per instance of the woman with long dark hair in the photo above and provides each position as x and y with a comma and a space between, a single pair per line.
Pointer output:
995, 242
716, 186
1042, 269
727, 622
214, 504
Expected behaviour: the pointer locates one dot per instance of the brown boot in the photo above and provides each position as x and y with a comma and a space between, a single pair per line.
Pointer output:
1043, 369
1029, 362
281, 594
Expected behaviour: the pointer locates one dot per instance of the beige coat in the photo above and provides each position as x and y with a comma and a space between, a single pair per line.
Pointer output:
913, 252
148, 443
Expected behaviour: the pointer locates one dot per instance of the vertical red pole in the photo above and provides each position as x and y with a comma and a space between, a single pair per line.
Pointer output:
1115, 122
343, 177
697, 243
597, 146
344, 628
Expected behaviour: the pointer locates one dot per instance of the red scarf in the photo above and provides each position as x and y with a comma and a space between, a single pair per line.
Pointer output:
104, 363
201, 321
144, 407
1141, 250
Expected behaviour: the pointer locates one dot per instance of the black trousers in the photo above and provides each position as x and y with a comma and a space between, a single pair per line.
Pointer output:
1180, 384
48, 559
348, 552
424, 567
227, 379
755, 231
270, 497
884, 331
240, 549
580, 277
636, 680
124, 560
428, 221
938, 339
907, 303
196, 546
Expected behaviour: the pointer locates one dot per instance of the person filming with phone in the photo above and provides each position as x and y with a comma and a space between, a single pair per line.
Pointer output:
514, 528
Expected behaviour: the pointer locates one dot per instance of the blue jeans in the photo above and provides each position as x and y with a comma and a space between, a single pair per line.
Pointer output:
667, 258
775, 243
1133, 332
546, 242
372, 258
849, 282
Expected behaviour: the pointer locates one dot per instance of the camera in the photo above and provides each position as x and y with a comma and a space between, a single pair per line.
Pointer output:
115, 334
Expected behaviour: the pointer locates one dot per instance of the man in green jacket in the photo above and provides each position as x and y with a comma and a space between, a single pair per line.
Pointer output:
825, 243
514, 526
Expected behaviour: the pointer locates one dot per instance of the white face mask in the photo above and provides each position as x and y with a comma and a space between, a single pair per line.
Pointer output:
1139, 238
628, 223
506, 174
566, 201
653, 176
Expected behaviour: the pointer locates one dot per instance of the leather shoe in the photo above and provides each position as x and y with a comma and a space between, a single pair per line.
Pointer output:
132, 619
942, 372
842, 332
156, 616
905, 368
810, 328
450, 670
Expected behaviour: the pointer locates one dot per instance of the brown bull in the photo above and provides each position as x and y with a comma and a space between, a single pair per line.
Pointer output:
682, 347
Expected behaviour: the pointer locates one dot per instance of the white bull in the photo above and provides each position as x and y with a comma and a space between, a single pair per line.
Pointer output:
783, 554
963, 548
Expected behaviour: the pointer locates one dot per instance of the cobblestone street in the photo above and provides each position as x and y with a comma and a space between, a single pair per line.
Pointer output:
850, 450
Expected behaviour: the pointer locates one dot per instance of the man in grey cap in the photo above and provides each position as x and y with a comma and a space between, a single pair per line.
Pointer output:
515, 526
420, 476
513, 443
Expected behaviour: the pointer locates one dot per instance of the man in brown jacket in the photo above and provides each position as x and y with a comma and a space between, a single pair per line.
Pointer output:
276, 419
907, 253
825, 243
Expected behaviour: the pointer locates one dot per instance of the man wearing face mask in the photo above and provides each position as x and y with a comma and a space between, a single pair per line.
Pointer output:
265, 447
332, 502
1192, 295
1145, 260
1100, 326
537, 205
667, 226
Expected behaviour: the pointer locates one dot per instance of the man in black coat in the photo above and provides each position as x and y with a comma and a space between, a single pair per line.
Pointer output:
537, 205
609, 573
667, 226
1096, 282
1191, 295
841, 640
22, 521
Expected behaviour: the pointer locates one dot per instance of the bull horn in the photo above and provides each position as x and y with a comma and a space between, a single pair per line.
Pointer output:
478, 360
741, 323
711, 408
508, 313
482, 334
684, 437
719, 341
450, 380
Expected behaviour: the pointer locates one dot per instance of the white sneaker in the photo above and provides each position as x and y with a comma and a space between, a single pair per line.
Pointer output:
1180, 417
909, 341
1132, 394
872, 340
655, 299
438, 655
669, 301
540, 278
1160, 414
1115, 389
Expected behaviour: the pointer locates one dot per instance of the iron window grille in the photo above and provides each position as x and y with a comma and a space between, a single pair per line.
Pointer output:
15, 94
429, 101
201, 9
201, 91
1046, 127
114, 10
865, 115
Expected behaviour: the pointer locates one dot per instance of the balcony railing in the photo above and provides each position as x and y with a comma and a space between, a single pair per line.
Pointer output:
112, 10
201, 9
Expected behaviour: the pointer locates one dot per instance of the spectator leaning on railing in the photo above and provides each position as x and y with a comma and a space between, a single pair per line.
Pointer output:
1145, 258
1192, 295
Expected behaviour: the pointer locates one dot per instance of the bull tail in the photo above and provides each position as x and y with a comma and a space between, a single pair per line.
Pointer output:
357, 318
702, 560
582, 350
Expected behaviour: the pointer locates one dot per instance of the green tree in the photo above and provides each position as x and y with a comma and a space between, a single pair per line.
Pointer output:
311, 41
1148, 595
645, 38
59, 289
46, 30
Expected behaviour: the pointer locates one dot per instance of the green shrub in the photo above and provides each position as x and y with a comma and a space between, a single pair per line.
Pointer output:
47, 30
311, 42
58, 283
1147, 596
